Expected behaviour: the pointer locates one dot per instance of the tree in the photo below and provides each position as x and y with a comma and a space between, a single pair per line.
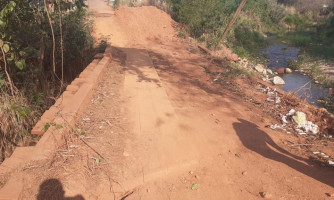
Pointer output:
237, 12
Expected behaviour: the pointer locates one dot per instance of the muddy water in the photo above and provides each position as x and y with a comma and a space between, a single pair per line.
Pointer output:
278, 56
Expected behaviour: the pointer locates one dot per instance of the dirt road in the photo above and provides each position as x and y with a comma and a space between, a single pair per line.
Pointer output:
159, 128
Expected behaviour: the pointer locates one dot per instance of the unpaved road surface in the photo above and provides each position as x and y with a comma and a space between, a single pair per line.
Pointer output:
159, 128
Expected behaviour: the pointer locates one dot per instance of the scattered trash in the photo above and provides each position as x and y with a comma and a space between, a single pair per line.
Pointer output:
291, 112
299, 118
270, 92
270, 100
284, 120
316, 152
86, 119
274, 126
331, 163
216, 79
308, 127
277, 100
322, 154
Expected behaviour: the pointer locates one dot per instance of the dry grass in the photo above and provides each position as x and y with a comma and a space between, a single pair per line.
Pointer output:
16, 120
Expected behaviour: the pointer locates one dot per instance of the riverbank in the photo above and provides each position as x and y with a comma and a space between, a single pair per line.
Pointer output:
321, 70
311, 78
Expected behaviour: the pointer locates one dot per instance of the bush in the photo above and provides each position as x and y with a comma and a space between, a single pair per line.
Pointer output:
201, 16
28, 42
210, 17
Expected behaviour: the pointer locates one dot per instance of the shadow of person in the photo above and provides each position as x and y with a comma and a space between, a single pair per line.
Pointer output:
260, 142
52, 189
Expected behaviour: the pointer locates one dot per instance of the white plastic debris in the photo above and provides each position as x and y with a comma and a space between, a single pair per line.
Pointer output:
322, 154
284, 120
270, 100
291, 112
216, 79
301, 133
274, 126
277, 100
298, 130
86, 119
316, 152
308, 127
330, 162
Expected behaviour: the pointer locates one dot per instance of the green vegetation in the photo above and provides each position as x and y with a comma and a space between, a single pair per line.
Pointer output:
43, 47
206, 20
302, 24
315, 35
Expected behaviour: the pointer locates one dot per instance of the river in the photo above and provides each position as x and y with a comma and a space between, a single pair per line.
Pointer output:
279, 55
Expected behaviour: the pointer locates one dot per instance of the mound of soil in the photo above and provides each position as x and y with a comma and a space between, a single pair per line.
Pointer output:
145, 24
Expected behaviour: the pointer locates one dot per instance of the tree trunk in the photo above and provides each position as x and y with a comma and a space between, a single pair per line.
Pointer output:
236, 14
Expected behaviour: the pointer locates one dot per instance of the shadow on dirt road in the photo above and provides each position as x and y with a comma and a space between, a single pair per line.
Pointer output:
260, 142
52, 189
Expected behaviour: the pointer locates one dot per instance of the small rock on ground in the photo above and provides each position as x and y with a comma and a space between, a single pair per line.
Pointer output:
259, 68
265, 195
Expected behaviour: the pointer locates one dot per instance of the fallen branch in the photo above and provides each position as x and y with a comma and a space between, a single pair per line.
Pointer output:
207, 51
92, 148
127, 194
7, 74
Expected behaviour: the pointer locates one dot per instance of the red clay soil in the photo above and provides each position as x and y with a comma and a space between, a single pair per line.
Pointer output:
158, 127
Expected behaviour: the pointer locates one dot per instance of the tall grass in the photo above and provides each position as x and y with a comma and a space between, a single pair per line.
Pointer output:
17, 117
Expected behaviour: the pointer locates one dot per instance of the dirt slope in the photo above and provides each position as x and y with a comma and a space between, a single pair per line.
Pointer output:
158, 128
144, 26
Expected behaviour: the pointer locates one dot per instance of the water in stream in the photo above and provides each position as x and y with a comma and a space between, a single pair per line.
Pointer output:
278, 56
